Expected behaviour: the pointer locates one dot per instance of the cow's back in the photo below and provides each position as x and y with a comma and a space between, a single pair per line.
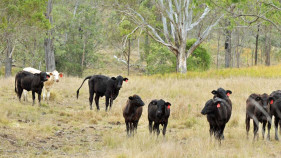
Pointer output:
99, 83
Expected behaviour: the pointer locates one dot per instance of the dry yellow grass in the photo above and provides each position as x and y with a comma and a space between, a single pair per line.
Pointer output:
66, 127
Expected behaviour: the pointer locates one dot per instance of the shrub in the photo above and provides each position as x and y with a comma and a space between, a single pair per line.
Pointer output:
160, 60
200, 59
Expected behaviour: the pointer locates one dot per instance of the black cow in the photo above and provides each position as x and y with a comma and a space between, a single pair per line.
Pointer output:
257, 109
158, 112
103, 86
275, 110
31, 82
218, 111
132, 113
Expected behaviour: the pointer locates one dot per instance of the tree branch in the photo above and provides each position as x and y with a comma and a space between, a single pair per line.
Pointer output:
202, 37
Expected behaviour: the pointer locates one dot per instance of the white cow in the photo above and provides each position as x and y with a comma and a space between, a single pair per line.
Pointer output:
54, 77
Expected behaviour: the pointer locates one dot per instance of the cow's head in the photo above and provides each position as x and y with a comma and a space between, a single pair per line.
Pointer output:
162, 106
118, 81
136, 100
56, 75
221, 93
43, 76
211, 106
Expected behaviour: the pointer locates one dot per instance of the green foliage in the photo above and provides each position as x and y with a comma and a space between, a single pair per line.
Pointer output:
83, 33
200, 59
160, 60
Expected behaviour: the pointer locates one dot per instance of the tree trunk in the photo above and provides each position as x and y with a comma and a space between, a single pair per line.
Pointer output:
267, 46
218, 49
83, 54
9, 59
48, 42
228, 48
257, 43
181, 58
129, 52
237, 50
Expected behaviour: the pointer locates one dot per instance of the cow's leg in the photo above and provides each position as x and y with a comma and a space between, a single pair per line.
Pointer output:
247, 125
106, 103
221, 136
276, 122
211, 130
39, 97
256, 129
91, 97
280, 127
135, 126
33, 98
157, 129
164, 128
48, 95
97, 98
127, 128
24, 95
19, 93
268, 128
150, 126
263, 128
44, 93
131, 128
110, 103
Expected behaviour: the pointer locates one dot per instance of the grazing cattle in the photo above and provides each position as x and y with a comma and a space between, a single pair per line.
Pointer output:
257, 109
54, 77
275, 110
132, 113
218, 111
103, 86
159, 113
30, 82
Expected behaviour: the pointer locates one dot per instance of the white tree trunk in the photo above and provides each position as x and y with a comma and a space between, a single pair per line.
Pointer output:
48, 42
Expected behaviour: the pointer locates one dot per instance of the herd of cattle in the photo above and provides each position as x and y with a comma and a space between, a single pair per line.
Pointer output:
259, 107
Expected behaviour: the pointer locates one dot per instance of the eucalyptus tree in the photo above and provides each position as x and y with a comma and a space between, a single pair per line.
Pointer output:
177, 18
15, 15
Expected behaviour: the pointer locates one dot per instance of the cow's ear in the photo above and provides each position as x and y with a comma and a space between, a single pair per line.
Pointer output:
113, 78
50, 73
168, 104
131, 98
271, 100
61, 74
228, 92
214, 92
125, 79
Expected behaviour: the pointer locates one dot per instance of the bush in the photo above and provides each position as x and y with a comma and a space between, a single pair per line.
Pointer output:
160, 60
200, 59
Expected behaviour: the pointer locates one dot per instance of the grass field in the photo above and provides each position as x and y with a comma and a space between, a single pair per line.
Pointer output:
65, 127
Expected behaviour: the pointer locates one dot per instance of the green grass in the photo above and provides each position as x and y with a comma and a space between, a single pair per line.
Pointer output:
256, 71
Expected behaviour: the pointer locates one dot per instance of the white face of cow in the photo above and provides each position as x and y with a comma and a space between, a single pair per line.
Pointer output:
55, 75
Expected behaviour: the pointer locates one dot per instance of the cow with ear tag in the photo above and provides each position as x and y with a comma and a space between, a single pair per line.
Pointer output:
218, 111
257, 109
274, 102
158, 113
103, 86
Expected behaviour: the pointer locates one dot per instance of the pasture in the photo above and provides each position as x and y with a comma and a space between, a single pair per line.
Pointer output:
65, 127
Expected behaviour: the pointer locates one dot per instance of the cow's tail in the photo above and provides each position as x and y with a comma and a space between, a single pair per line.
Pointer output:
82, 85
